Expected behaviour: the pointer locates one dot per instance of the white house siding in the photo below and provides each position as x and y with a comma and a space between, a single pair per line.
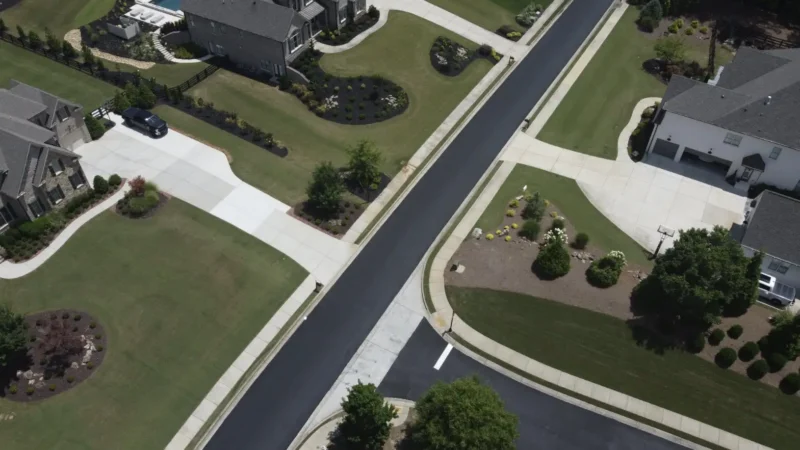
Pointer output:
783, 172
791, 277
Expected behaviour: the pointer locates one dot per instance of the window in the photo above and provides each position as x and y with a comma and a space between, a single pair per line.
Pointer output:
733, 139
191, 20
775, 153
294, 42
213, 27
360, 5
36, 208
56, 195
56, 167
778, 266
220, 50
77, 180
6, 215
343, 15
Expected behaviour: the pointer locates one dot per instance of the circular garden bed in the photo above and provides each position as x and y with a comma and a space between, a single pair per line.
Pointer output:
451, 58
65, 347
143, 200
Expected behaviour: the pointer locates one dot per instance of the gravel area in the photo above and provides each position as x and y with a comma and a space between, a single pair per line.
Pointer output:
74, 38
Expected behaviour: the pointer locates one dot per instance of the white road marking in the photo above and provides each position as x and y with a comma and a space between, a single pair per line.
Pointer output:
443, 356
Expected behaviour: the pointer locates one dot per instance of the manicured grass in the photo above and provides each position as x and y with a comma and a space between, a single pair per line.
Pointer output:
21, 65
59, 16
565, 194
599, 348
489, 14
169, 74
399, 51
600, 103
180, 296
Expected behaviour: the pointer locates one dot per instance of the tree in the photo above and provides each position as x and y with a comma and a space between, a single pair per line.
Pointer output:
58, 344
34, 41
784, 338
21, 34
670, 49
53, 43
87, 55
704, 275
68, 50
13, 339
3, 27
132, 92
534, 207
367, 419
650, 15
552, 261
325, 190
146, 98
120, 102
363, 165
463, 414
96, 129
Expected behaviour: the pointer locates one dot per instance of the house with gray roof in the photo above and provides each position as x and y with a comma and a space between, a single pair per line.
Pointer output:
264, 36
38, 169
743, 125
771, 226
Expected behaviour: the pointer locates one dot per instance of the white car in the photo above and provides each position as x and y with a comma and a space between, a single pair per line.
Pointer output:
775, 291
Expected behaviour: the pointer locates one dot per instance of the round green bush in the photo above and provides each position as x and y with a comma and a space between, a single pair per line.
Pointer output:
716, 336
530, 230
552, 261
776, 361
114, 180
581, 240
735, 331
696, 344
557, 223
757, 370
725, 357
604, 272
100, 185
748, 351
790, 384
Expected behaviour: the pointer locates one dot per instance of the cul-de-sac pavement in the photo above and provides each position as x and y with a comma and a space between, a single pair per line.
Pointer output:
381, 224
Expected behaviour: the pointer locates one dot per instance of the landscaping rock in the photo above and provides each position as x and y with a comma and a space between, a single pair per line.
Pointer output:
477, 233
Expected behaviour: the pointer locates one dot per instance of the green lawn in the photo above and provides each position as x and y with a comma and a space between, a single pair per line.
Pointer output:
169, 74
59, 16
489, 14
53, 77
399, 51
600, 103
180, 296
565, 194
599, 348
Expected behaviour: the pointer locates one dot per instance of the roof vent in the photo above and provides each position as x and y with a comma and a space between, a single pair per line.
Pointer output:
723, 95
768, 100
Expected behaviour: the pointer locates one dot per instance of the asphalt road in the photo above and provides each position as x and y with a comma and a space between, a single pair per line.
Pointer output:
282, 398
544, 422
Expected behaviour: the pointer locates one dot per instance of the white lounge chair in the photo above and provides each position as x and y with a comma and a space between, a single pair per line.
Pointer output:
146, 15
156, 18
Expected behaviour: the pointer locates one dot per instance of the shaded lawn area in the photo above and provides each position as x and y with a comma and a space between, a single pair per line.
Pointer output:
169, 74
21, 65
389, 52
565, 194
59, 16
600, 103
599, 348
489, 14
180, 296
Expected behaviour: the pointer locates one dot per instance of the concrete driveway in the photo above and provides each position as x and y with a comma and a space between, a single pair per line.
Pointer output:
200, 175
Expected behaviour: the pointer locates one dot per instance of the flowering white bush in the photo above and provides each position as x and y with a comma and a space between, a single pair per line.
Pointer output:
331, 102
390, 100
556, 234
619, 256
461, 54
441, 60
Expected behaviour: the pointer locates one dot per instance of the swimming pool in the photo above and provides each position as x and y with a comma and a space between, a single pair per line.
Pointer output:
174, 5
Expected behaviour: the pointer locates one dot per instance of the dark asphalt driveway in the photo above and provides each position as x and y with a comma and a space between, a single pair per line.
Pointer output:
544, 422
281, 399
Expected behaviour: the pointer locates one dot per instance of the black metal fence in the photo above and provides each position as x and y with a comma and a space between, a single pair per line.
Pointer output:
200, 76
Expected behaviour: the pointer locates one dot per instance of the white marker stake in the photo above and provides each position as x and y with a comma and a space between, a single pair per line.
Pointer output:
443, 356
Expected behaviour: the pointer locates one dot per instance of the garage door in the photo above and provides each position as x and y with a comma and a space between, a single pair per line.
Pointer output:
665, 148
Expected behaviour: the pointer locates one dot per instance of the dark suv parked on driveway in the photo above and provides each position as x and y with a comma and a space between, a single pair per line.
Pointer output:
146, 121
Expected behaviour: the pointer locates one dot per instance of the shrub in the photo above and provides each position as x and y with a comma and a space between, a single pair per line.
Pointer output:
704, 30
757, 370
651, 14
679, 23
96, 129
77, 317
696, 344
114, 180
508, 238
100, 185
373, 12
100, 348
52, 387
748, 351
70, 379
776, 361
530, 230
514, 225
90, 365
30, 390
534, 207
514, 35
511, 213
695, 23
581, 240
93, 325
604, 272
689, 31
513, 204
557, 224
716, 336
735, 331
552, 261
489, 236
13, 389
673, 29
790, 384
725, 357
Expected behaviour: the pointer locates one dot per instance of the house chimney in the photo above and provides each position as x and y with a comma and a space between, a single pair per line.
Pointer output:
768, 100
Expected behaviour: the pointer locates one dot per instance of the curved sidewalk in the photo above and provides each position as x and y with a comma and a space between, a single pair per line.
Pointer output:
325, 48
440, 319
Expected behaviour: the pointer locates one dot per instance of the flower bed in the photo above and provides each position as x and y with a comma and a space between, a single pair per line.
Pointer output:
508, 32
95, 34
346, 100
338, 225
637, 143
25, 241
143, 200
228, 121
529, 15
451, 58
64, 348
351, 30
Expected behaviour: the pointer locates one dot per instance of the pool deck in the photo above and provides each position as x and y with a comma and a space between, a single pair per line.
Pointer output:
143, 6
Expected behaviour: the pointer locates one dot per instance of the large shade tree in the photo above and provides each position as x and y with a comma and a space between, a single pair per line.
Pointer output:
703, 276
367, 419
465, 414
13, 339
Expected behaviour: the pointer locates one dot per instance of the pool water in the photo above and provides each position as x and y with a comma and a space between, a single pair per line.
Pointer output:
174, 5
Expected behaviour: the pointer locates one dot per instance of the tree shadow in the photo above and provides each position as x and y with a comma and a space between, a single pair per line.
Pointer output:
19, 361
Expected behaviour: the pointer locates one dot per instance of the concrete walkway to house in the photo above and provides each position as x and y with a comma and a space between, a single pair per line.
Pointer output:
201, 175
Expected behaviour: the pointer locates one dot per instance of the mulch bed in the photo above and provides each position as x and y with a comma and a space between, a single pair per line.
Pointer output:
95, 34
368, 195
347, 100
451, 58
349, 31
162, 200
337, 226
81, 345
508, 32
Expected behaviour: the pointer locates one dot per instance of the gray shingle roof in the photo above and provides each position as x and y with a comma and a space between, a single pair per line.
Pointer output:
739, 102
50, 101
13, 104
260, 17
25, 129
755, 161
774, 227
311, 11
